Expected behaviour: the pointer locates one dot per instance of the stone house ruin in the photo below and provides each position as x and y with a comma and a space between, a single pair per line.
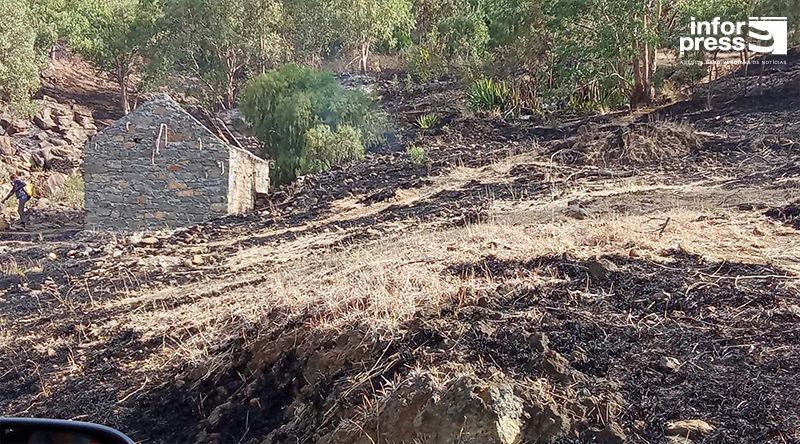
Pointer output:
159, 167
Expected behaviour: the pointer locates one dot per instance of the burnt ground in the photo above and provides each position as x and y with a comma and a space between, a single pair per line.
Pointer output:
673, 257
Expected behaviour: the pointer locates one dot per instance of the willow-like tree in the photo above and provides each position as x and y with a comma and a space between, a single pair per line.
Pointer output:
114, 37
360, 24
222, 42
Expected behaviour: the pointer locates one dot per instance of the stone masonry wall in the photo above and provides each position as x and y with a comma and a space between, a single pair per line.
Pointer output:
248, 175
131, 185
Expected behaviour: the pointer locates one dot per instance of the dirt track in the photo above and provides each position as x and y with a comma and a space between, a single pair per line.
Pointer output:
383, 284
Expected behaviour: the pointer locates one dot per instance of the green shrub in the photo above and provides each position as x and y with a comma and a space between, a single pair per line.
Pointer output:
418, 155
493, 97
325, 148
288, 108
427, 121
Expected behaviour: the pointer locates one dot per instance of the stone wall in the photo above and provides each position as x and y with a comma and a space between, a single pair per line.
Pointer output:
134, 182
248, 175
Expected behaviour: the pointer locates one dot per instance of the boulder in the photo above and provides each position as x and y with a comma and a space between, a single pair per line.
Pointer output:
468, 410
47, 157
19, 126
57, 141
75, 136
64, 122
84, 120
36, 161
6, 147
612, 433
44, 120
54, 182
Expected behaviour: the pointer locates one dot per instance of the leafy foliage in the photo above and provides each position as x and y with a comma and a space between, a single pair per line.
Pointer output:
114, 36
19, 64
222, 42
427, 121
494, 97
458, 46
290, 108
418, 155
326, 148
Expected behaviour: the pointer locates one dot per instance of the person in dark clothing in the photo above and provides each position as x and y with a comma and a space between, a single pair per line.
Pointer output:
19, 189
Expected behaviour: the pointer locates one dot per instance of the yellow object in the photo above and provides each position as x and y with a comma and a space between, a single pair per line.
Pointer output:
29, 190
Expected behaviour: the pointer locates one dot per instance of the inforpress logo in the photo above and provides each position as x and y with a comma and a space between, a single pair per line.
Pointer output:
765, 29
766, 35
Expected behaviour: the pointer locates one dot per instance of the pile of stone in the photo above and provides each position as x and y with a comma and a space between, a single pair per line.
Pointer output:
47, 147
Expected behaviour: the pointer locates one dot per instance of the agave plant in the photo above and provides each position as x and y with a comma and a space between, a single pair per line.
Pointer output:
427, 121
494, 97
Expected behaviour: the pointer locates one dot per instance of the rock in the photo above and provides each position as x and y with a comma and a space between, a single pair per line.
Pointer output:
473, 411
57, 141
36, 161
64, 122
5, 121
45, 122
216, 415
468, 410
90, 129
554, 364
546, 420
6, 147
54, 182
150, 241
75, 136
84, 120
198, 260
669, 365
689, 428
612, 433
576, 212
52, 256
19, 126
601, 269
188, 263
539, 342
48, 159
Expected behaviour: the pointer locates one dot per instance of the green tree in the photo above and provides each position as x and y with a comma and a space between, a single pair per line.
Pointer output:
113, 38
306, 120
19, 64
222, 42
360, 24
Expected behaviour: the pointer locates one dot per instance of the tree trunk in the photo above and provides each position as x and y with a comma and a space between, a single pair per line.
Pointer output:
644, 67
230, 91
364, 57
122, 81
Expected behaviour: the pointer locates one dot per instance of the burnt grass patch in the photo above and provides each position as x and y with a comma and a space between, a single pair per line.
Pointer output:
789, 214
595, 329
616, 317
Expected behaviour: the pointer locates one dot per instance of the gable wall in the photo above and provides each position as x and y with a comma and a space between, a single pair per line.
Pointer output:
248, 175
129, 187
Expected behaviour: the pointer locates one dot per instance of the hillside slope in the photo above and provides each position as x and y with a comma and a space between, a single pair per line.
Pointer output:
601, 281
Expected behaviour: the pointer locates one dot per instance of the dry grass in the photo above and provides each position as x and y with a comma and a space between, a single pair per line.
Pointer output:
628, 145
